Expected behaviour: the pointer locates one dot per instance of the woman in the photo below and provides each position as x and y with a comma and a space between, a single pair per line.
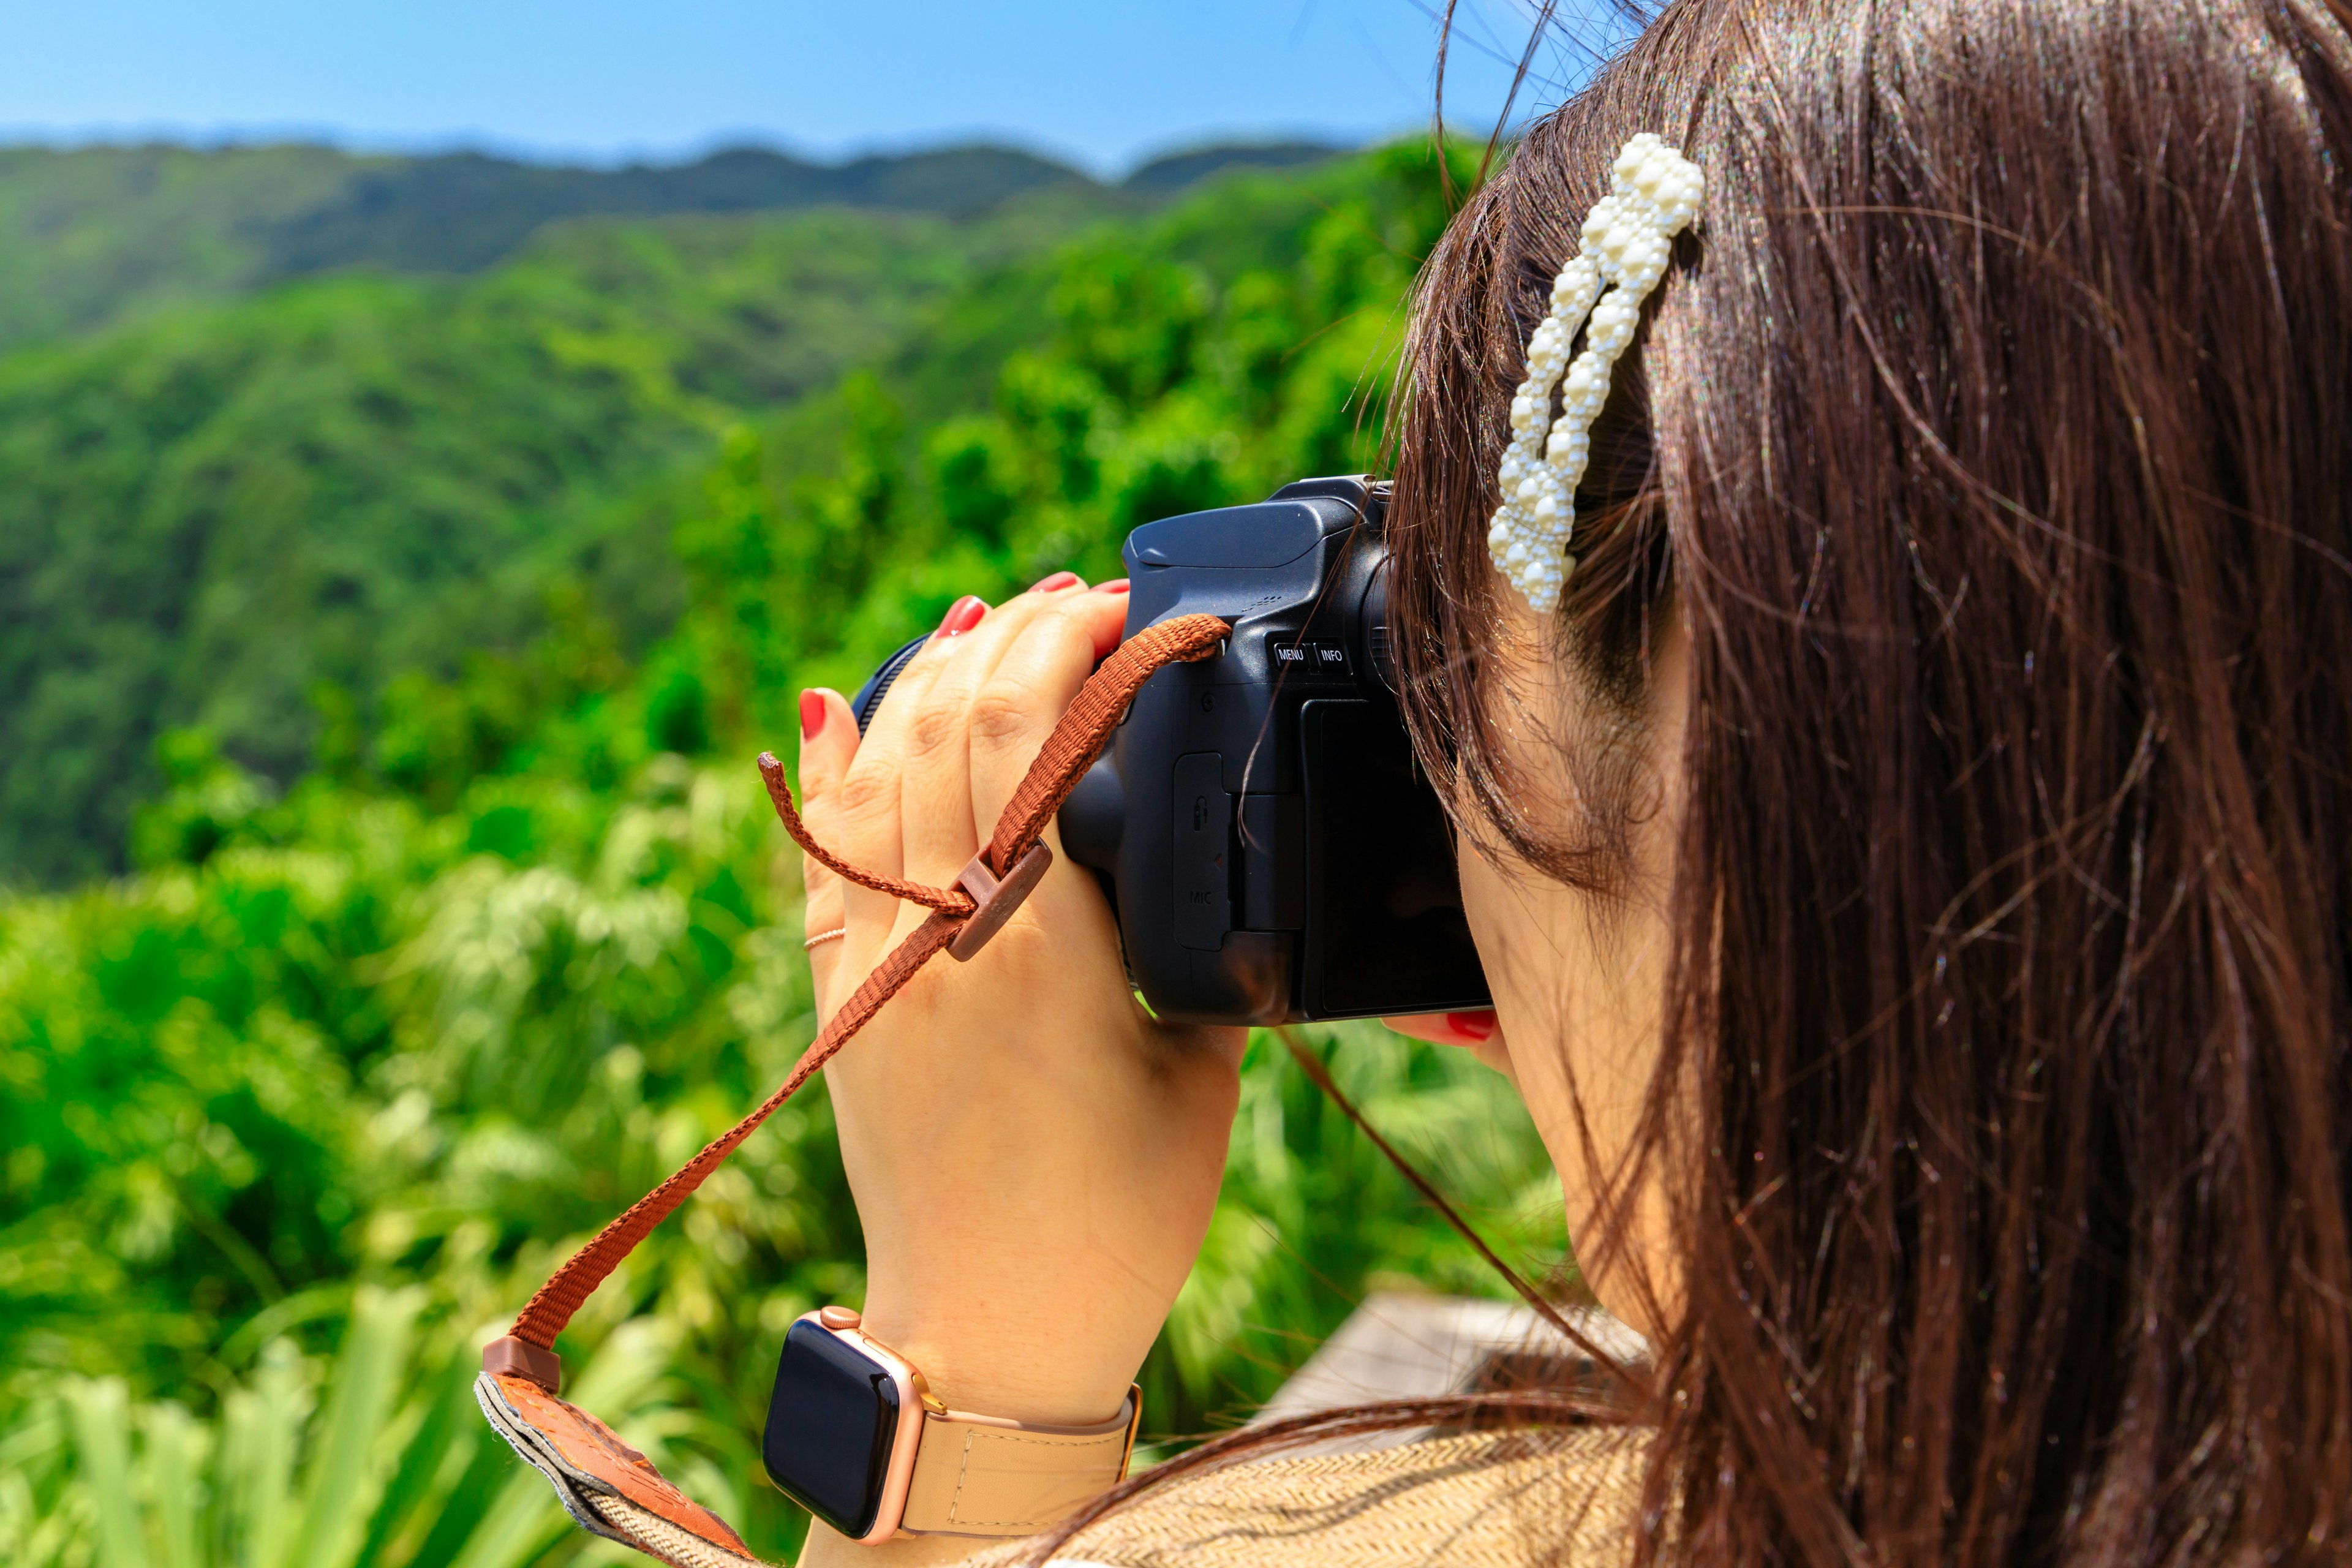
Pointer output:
1909, 859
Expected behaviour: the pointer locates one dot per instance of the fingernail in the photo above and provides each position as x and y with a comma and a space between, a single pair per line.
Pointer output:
1055, 583
812, 715
1479, 1026
1116, 585
962, 615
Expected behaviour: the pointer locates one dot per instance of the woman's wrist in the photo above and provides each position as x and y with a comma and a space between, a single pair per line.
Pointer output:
1038, 1368
828, 1548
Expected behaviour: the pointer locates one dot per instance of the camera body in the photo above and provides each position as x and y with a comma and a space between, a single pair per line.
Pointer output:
1258, 820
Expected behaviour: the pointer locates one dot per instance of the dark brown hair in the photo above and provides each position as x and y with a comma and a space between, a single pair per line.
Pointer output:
1991, 441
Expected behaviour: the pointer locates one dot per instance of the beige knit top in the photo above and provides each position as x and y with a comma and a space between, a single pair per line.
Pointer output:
1504, 1500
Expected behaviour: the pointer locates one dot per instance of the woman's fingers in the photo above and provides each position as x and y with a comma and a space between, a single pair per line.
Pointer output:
869, 802
920, 795
949, 731
1024, 695
1473, 1026
1473, 1029
828, 747
935, 769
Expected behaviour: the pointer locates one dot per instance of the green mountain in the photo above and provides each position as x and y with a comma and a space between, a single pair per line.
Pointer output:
1178, 171
462, 212
96, 235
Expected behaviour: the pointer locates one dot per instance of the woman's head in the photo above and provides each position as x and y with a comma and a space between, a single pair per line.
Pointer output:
1911, 861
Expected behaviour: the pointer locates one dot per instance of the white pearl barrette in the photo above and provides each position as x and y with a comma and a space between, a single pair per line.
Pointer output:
1654, 193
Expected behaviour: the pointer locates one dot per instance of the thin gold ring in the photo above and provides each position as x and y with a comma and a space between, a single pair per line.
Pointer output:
823, 936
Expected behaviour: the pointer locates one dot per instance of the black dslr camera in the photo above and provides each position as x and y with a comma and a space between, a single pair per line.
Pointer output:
1258, 820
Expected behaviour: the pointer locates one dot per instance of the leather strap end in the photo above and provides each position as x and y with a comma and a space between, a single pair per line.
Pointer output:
511, 1357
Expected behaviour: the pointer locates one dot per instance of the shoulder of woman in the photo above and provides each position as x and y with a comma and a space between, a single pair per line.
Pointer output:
1501, 1498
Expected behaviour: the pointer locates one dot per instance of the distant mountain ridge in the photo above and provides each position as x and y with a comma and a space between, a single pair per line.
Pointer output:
461, 212
90, 235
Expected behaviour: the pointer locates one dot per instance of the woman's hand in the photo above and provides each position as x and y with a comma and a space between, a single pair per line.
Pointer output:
1035, 1158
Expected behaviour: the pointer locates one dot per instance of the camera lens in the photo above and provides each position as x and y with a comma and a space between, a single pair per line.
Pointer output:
1380, 649
869, 696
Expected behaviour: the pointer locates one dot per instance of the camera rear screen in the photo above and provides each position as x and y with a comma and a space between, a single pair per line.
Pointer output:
1385, 931
830, 1423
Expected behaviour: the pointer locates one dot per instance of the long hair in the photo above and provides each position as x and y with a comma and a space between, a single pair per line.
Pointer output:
1991, 440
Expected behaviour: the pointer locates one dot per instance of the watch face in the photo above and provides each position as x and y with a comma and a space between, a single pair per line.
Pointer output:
830, 1425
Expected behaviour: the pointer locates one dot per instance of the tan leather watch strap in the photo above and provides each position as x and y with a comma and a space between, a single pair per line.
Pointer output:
977, 1475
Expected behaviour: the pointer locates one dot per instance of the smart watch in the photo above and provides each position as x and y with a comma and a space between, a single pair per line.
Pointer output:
857, 1438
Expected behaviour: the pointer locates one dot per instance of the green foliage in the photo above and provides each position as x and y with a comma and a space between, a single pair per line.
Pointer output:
395, 1468
209, 799
296, 1114
975, 468
203, 518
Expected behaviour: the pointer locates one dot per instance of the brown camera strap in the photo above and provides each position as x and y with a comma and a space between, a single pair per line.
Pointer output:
961, 918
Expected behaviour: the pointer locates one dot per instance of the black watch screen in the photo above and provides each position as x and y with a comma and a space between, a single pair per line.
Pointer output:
830, 1425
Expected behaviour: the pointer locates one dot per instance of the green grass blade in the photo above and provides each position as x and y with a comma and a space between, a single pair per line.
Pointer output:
339, 1484
462, 1507
41, 1513
101, 1414
174, 1443
431, 1464
264, 1430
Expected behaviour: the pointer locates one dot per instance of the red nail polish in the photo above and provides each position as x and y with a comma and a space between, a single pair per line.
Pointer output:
1479, 1026
812, 715
1055, 583
962, 615
1116, 585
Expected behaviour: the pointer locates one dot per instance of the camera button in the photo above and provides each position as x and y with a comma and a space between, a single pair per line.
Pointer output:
1203, 830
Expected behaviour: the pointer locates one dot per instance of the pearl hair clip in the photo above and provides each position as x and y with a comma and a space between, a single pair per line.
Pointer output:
1653, 193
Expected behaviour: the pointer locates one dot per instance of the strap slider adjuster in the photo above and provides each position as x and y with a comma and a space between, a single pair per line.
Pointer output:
511, 1357
997, 897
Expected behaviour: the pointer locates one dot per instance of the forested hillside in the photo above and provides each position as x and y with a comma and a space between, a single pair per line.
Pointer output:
248, 516
95, 235
299, 1108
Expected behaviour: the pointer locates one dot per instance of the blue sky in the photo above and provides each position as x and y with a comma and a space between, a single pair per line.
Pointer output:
1102, 84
